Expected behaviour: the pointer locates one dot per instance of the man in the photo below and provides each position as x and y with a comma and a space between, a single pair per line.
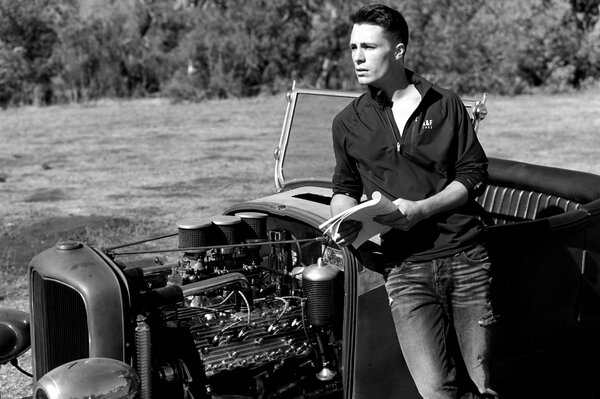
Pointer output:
414, 142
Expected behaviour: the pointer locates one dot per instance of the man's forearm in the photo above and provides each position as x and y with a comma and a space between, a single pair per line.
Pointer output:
340, 202
453, 196
413, 212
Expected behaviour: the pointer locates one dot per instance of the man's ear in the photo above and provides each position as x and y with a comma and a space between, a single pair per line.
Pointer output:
399, 50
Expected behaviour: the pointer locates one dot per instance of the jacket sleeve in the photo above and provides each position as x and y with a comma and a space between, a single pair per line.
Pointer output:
471, 161
346, 179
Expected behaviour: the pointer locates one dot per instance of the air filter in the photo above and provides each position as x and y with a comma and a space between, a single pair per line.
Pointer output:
194, 232
228, 229
254, 225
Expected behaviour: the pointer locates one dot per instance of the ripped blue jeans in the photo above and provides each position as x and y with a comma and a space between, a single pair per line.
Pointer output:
441, 310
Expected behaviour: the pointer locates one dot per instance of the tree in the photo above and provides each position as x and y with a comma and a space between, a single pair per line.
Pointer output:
29, 26
12, 76
73, 50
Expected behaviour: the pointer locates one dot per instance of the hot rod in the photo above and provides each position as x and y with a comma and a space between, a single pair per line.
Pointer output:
257, 303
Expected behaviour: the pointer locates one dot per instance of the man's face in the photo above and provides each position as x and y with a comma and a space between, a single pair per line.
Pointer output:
373, 54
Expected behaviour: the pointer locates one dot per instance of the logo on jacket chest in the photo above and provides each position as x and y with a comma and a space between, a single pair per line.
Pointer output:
427, 124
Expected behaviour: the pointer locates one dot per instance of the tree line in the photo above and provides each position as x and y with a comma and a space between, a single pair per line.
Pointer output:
56, 51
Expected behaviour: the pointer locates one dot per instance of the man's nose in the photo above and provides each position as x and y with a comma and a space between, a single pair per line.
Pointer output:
358, 56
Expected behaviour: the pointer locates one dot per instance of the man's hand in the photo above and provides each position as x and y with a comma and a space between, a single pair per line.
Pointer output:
349, 229
347, 232
409, 214
412, 212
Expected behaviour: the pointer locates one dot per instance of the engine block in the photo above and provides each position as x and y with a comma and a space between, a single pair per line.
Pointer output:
227, 315
229, 340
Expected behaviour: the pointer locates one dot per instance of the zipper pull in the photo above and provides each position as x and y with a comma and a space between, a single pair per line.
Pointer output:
398, 146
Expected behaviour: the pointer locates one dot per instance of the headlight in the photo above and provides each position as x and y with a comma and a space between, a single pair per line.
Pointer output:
99, 378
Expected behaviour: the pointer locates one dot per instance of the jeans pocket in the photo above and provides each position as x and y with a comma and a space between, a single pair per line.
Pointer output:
477, 254
393, 270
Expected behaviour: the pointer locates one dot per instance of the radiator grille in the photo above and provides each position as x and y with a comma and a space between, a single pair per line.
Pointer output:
59, 324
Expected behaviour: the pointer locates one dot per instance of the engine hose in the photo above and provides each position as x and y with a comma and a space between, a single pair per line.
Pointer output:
143, 348
326, 373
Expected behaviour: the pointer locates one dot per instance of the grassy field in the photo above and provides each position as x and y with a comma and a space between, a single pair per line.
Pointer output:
127, 169
113, 172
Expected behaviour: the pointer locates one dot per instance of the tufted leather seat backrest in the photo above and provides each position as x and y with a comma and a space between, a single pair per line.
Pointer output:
508, 205
518, 191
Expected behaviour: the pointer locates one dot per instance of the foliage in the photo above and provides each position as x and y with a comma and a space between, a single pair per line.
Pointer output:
76, 50
12, 76
28, 30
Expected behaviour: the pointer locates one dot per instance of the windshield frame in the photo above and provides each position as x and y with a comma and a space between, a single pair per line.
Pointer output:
281, 150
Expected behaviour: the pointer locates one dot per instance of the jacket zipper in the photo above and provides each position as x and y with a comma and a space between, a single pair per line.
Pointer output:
399, 145
394, 137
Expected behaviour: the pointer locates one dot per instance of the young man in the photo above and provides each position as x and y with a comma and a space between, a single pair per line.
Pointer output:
414, 142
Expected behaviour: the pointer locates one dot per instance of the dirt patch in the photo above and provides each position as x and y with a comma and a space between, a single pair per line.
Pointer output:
19, 244
47, 195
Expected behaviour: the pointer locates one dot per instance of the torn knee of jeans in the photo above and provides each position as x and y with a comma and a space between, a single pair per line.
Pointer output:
488, 318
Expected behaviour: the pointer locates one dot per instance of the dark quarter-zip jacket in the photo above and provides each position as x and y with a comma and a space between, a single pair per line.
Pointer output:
438, 146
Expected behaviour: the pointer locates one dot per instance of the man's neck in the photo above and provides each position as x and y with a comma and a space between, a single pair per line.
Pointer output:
396, 87
404, 93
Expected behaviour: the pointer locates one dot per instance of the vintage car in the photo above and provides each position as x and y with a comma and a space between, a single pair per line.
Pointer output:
257, 303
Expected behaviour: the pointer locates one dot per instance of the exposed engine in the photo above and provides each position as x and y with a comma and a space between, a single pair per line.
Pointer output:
243, 310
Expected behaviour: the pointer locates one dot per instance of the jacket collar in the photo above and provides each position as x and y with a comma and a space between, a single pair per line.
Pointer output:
421, 84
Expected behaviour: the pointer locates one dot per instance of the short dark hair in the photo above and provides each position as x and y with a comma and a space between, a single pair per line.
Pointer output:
389, 19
